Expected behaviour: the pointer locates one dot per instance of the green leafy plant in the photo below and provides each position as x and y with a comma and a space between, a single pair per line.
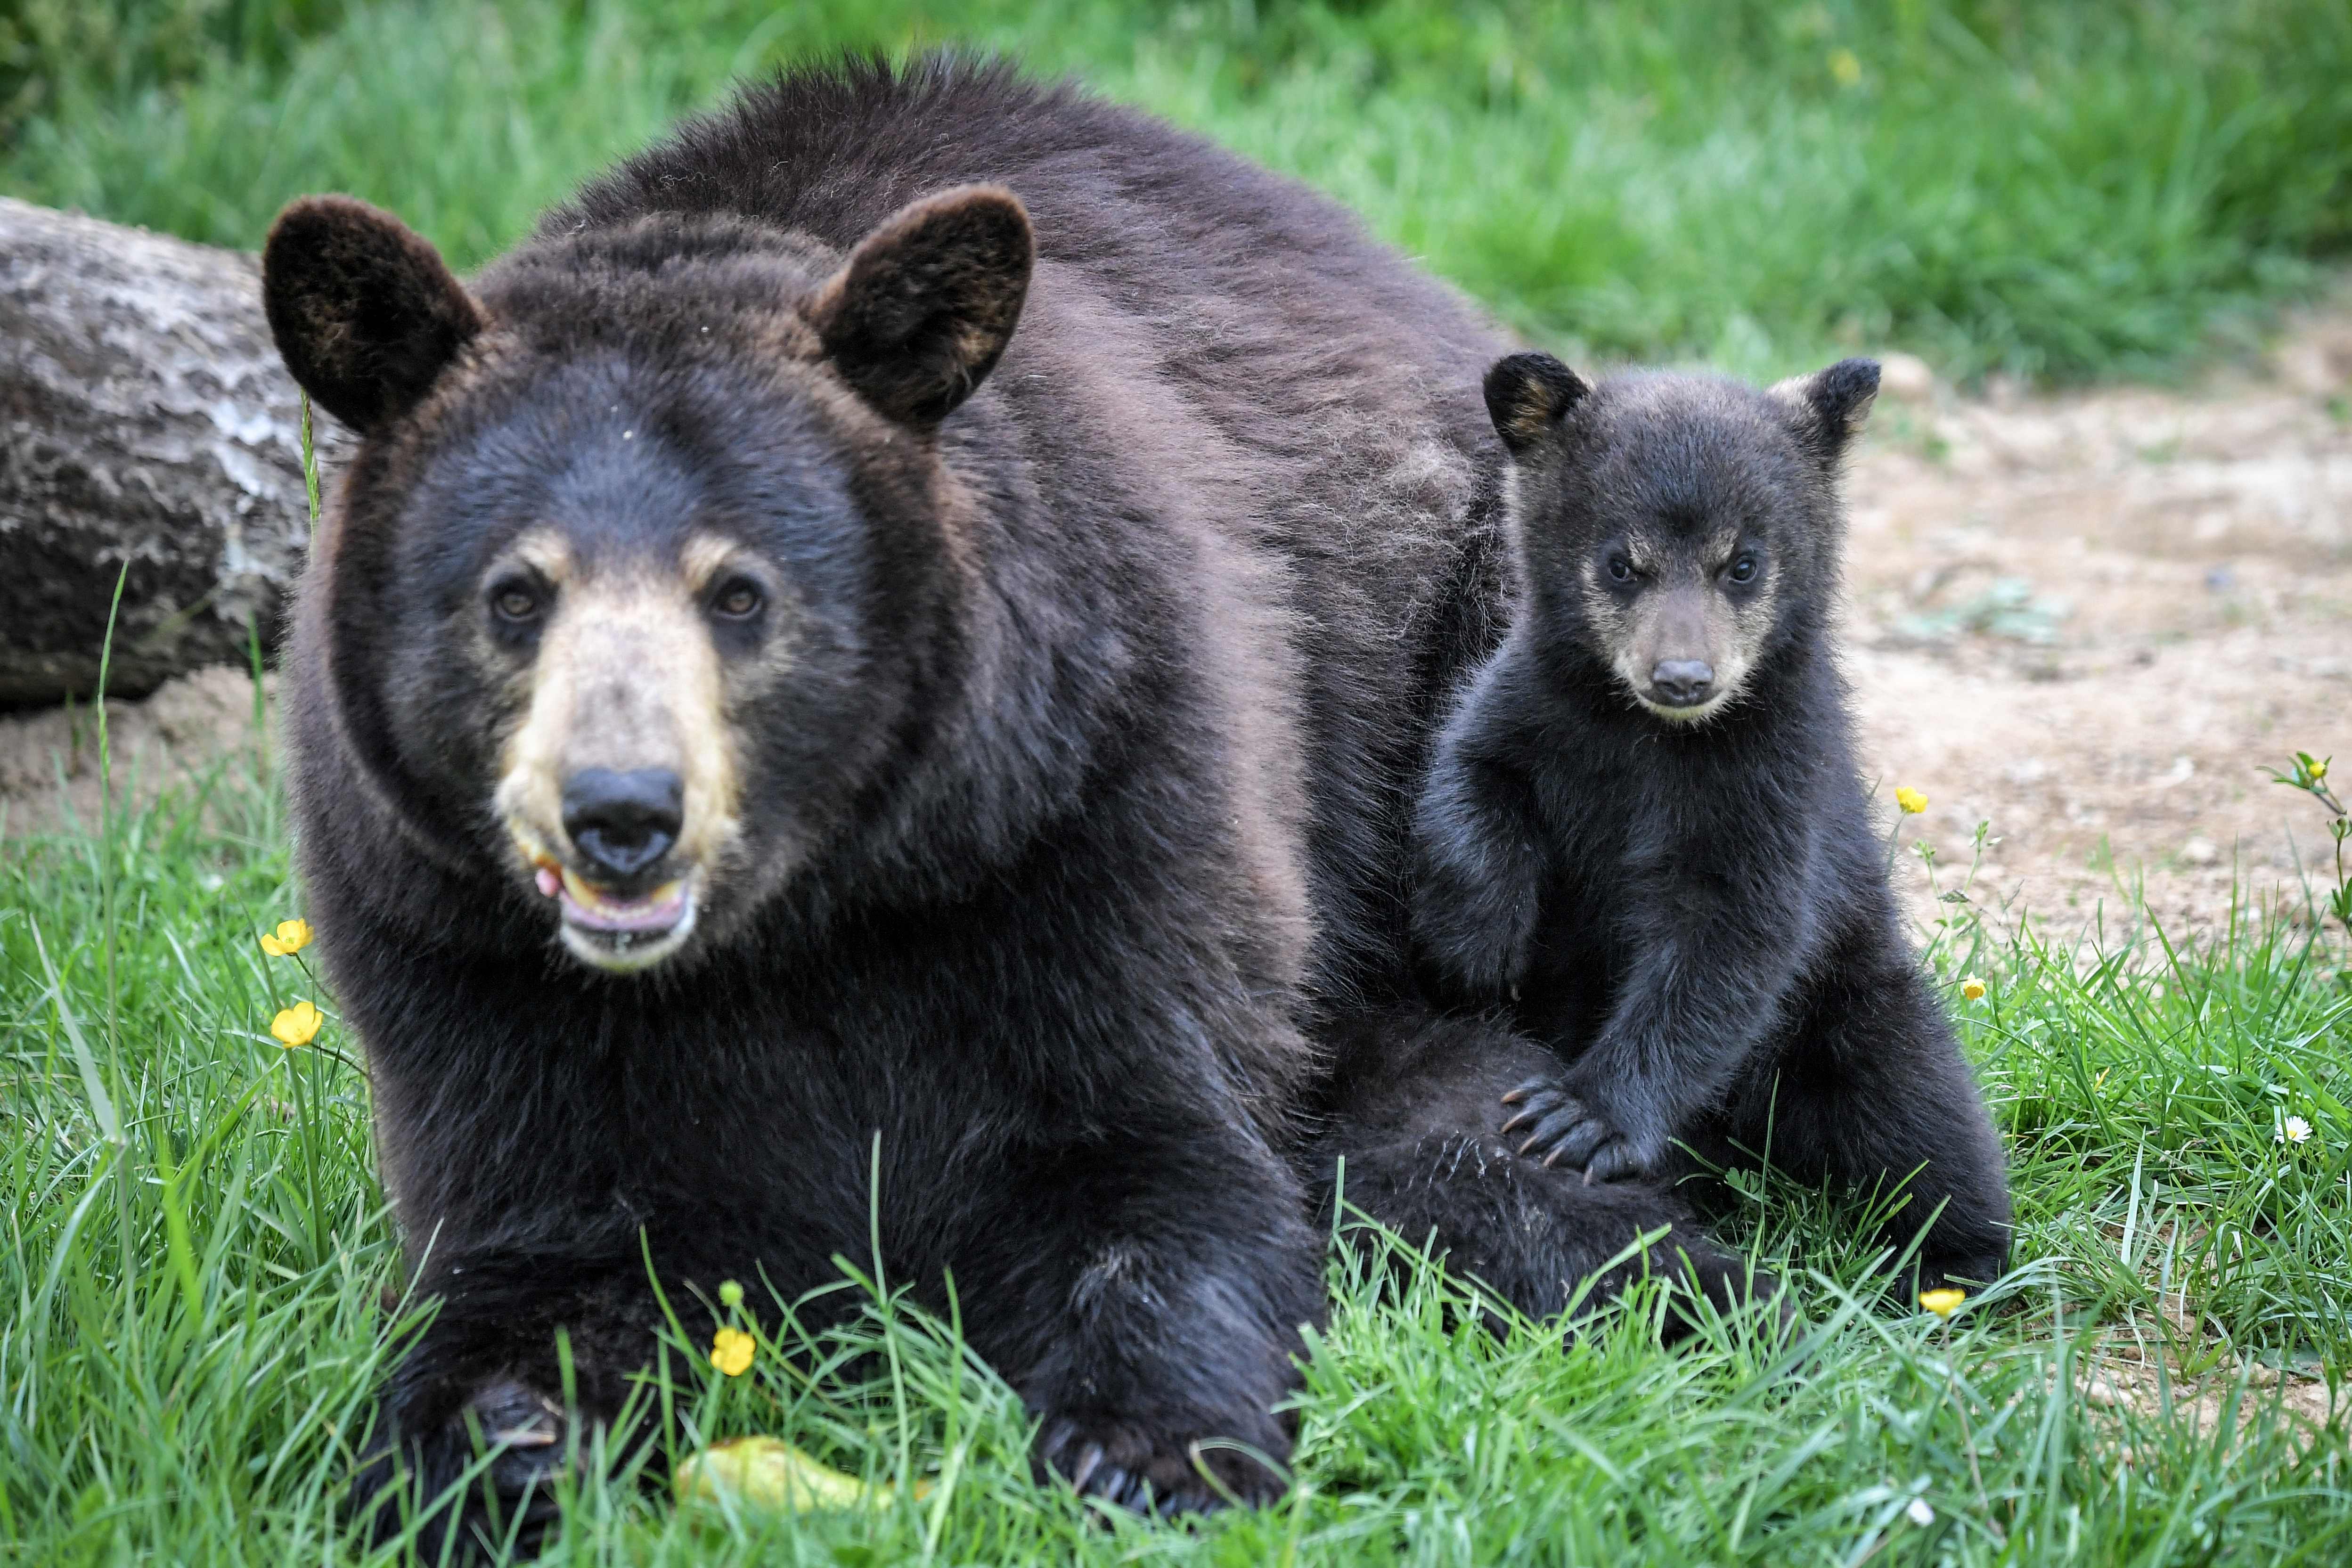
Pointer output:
2309, 774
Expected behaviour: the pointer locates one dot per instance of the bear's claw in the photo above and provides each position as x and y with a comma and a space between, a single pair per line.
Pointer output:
510, 1498
1148, 1477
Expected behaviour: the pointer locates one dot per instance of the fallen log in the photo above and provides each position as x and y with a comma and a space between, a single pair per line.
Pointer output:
147, 433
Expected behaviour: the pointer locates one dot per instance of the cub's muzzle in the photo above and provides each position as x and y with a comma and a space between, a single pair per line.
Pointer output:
1681, 682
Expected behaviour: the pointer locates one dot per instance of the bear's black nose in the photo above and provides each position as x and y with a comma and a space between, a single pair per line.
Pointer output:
623, 821
1682, 682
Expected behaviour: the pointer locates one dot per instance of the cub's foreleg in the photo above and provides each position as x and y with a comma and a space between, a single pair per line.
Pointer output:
1480, 860
1412, 1130
1714, 954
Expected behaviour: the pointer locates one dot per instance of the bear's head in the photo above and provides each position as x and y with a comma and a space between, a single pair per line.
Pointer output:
1675, 530
639, 576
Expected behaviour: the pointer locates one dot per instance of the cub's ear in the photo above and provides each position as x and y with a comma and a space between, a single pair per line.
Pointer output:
365, 312
925, 304
1527, 394
1830, 406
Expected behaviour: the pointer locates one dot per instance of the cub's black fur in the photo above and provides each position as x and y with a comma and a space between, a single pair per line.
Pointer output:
1644, 830
892, 636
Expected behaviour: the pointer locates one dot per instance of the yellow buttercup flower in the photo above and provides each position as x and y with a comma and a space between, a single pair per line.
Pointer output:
1943, 1302
730, 1351
1912, 801
1972, 988
298, 1024
2318, 770
1845, 66
291, 937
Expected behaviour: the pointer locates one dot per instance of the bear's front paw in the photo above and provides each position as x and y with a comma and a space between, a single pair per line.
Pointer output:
1123, 1464
521, 1434
1562, 1128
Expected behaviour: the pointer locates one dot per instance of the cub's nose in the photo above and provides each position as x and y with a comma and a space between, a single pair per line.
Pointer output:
1682, 682
623, 821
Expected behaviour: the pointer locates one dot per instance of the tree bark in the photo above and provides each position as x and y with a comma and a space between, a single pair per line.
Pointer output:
147, 432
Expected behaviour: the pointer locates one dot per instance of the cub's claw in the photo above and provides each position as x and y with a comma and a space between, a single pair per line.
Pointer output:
1532, 1087
1564, 1131
1546, 1111
1582, 1142
1614, 1161
1552, 1131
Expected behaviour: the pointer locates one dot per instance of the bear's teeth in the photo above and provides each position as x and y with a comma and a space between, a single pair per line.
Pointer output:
585, 904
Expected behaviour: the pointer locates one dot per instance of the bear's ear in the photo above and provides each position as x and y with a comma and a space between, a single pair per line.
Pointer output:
1528, 395
1830, 406
925, 304
365, 312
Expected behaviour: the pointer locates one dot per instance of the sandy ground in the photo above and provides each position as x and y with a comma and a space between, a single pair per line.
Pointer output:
2088, 620
49, 772
2084, 620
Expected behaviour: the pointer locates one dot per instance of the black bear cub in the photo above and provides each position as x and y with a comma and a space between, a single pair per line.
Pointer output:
1644, 830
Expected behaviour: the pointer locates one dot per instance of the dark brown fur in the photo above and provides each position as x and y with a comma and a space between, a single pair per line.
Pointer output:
1072, 822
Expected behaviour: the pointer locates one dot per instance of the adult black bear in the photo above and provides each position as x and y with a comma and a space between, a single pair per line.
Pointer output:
1644, 827
759, 721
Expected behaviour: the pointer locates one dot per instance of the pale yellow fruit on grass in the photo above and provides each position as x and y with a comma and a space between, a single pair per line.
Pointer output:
769, 1473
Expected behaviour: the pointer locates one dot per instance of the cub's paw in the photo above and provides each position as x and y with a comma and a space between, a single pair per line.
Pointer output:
1123, 1464
1558, 1127
506, 1444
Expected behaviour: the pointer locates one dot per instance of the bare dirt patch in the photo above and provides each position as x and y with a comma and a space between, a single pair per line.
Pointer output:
2084, 619
2088, 618
49, 764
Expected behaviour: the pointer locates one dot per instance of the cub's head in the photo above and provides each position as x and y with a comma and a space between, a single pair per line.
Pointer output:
1675, 530
644, 571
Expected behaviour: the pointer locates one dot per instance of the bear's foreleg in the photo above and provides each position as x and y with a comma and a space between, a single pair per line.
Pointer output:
472, 1432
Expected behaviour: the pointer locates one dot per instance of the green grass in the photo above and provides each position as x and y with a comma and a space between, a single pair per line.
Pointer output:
2060, 189
196, 1260
196, 1269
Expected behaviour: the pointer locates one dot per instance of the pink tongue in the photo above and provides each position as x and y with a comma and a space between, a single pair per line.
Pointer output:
550, 883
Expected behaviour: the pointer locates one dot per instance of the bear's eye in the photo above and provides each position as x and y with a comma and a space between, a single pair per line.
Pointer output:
1619, 569
738, 600
515, 600
1744, 569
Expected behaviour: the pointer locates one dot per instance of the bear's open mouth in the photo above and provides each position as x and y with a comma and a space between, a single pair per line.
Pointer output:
616, 930
1691, 715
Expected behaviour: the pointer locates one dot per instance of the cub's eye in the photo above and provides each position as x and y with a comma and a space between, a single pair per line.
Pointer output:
515, 600
1744, 569
1619, 569
738, 600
